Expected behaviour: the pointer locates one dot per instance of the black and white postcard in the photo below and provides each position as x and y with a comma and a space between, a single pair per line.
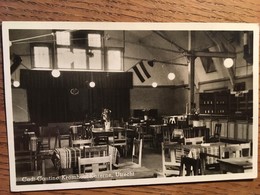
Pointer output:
102, 104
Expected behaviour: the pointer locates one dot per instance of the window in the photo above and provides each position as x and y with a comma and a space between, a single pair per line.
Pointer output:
94, 40
95, 62
63, 38
95, 48
64, 58
80, 58
114, 59
41, 56
87, 53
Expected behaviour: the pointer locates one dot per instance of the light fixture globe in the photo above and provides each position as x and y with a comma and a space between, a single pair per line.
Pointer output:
228, 62
92, 84
16, 83
171, 76
154, 84
55, 73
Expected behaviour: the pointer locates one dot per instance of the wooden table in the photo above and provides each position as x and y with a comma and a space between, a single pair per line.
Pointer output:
208, 153
108, 132
235, 165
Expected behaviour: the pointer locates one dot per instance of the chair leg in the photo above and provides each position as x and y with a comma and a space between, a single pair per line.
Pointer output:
56, 142
125, 150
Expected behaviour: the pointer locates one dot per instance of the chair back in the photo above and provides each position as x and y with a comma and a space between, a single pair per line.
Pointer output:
194, 140
59, 137
119, 139
171, 159
137, 151
119, 136
230, 151
97, 164
191, 165
217, 130
166, 134
245, 149
44, 140
88, 131
82, 142
93, 152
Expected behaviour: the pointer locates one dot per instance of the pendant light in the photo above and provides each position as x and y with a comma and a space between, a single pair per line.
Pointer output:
228, 62
55, 73
171, 76
154, 84
92, 84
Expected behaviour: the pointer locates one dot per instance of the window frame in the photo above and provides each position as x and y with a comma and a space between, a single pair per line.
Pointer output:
50, 47
121, 58
53, 56
90, 48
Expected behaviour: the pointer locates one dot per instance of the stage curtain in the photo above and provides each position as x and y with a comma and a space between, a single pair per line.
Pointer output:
50, 99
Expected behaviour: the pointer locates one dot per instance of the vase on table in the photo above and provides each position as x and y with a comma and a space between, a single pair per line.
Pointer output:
107, 125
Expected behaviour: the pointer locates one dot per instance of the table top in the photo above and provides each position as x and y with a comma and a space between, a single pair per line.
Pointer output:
204, 145
245, 162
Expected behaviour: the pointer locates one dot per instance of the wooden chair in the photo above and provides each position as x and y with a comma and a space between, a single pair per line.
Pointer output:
145, 134
230, 151
100, 140
44, 138
94, 151
166, 133
60, 137
217, 133
119, 139
87, 128
177, 136
97, 163
137, 152
28, 158
136, 156
245, 149
171, 159
82, 142
76, 132
193, 140
190, 165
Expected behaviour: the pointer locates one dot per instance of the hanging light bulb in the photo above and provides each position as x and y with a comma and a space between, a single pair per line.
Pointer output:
154, 84
228, 62
92, 84
171, 76
16, 83
55, 73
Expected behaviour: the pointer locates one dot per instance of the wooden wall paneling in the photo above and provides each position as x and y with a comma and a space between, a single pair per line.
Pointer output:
231, 130
128, 11
224, 128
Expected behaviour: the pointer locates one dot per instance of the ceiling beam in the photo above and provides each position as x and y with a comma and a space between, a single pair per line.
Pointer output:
212, 54
170, 41
146, 45
154, 60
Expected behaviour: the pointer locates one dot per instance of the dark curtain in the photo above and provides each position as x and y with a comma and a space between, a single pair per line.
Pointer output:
48, 105
50, 100
92, 102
